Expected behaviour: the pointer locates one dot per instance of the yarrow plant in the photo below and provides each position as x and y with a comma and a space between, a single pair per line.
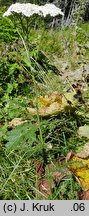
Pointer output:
25, 15
29, 9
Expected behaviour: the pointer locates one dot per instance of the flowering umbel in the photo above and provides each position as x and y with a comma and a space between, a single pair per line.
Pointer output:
29, 9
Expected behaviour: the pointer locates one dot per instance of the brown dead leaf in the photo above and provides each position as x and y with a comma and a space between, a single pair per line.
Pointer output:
44, 187
57, 176
84, 195
47, 178
42, 183
40, 170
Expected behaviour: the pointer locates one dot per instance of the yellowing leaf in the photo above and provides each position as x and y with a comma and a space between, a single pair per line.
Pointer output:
51, 105
56, 97
47, 105
84, 131
54, 108
43, 101
80, 169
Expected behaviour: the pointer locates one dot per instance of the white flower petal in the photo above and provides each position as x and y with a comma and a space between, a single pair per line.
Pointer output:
29, 9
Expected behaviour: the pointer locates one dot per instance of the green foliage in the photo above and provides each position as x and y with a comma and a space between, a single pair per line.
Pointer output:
3, 131
67, 189
23, 75
8, 31
23, 136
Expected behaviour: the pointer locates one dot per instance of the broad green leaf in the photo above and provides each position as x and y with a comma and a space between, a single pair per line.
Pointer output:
20, 135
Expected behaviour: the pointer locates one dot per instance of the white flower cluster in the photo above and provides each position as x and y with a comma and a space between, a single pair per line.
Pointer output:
29, 9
